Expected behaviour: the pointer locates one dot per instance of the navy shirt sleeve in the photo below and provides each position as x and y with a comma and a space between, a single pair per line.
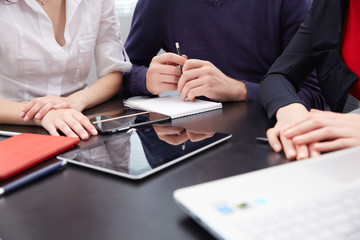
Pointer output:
142, 44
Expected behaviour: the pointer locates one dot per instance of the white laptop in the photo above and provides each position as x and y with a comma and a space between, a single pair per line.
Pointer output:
318, 198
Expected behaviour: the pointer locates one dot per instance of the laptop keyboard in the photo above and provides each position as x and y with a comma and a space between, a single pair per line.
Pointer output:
336, 217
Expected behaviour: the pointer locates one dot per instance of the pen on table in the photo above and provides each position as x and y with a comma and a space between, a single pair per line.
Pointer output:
177, 46
8, 133
262, 139
31, 177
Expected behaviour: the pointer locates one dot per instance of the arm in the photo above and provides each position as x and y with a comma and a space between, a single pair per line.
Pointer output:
103, 89
287, 75
142, 44
111, 60
279, 90
71, 122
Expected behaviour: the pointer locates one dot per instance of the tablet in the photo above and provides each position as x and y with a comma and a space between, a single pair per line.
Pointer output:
138, 153
125, 119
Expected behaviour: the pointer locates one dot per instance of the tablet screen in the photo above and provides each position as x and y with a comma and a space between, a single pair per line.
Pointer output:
125, 119
138, 153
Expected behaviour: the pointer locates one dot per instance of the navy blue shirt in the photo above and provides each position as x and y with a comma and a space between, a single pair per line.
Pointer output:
240, 37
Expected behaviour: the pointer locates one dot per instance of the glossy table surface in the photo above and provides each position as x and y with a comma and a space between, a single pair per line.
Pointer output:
80, 203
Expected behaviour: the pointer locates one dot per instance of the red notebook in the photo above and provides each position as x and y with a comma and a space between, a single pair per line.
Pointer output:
25, 150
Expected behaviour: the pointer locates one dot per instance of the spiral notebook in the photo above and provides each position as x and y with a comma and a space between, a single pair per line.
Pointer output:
172, 106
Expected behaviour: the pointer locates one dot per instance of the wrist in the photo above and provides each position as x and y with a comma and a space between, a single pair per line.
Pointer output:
290, 111
240, 91
77, 102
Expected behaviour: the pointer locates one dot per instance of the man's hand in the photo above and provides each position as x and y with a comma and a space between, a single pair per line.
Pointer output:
202, 78
164, 73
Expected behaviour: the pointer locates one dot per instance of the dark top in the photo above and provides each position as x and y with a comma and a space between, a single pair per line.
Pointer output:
241, 38
316, 45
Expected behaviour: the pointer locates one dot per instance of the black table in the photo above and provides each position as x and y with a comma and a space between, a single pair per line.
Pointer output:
80, 203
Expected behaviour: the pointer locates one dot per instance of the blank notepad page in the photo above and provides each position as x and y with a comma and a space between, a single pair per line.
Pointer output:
172, 106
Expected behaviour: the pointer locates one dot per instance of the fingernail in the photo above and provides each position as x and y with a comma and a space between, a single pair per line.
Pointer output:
37, 116
301, 156
26, 118
291, 153
315, 154
94, 132
277, 147
22, 114
84, 136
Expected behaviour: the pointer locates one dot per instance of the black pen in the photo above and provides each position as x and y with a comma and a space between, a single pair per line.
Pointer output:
177, 46
31, 177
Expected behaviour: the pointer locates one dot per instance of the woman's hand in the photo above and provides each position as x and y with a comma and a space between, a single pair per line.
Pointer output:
326, 131
290, 114
70, 122
40, 106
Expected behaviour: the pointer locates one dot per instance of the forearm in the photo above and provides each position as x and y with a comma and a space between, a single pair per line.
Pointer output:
103, 89
135, 81
276, 92
10, 113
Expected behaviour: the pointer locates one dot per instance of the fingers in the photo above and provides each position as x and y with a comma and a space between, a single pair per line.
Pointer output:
61, 106
336, 144
169, 74
191, 72
38, 107
313, 152
316, 120
288, 147
164, 129
302, 152
69, 122
29, 110
41, 113
170, 59
163, 73
174, 139
193, 89
199, 136
279, 142
318, 135
273, 138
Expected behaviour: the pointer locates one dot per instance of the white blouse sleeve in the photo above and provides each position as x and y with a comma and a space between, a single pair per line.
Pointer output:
110, 55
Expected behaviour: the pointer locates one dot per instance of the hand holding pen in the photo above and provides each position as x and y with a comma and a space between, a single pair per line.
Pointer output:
164, 73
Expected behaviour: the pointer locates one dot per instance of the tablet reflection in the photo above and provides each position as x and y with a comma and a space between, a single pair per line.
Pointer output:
139, 151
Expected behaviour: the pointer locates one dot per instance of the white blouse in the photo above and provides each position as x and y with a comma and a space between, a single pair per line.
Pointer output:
33, 64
